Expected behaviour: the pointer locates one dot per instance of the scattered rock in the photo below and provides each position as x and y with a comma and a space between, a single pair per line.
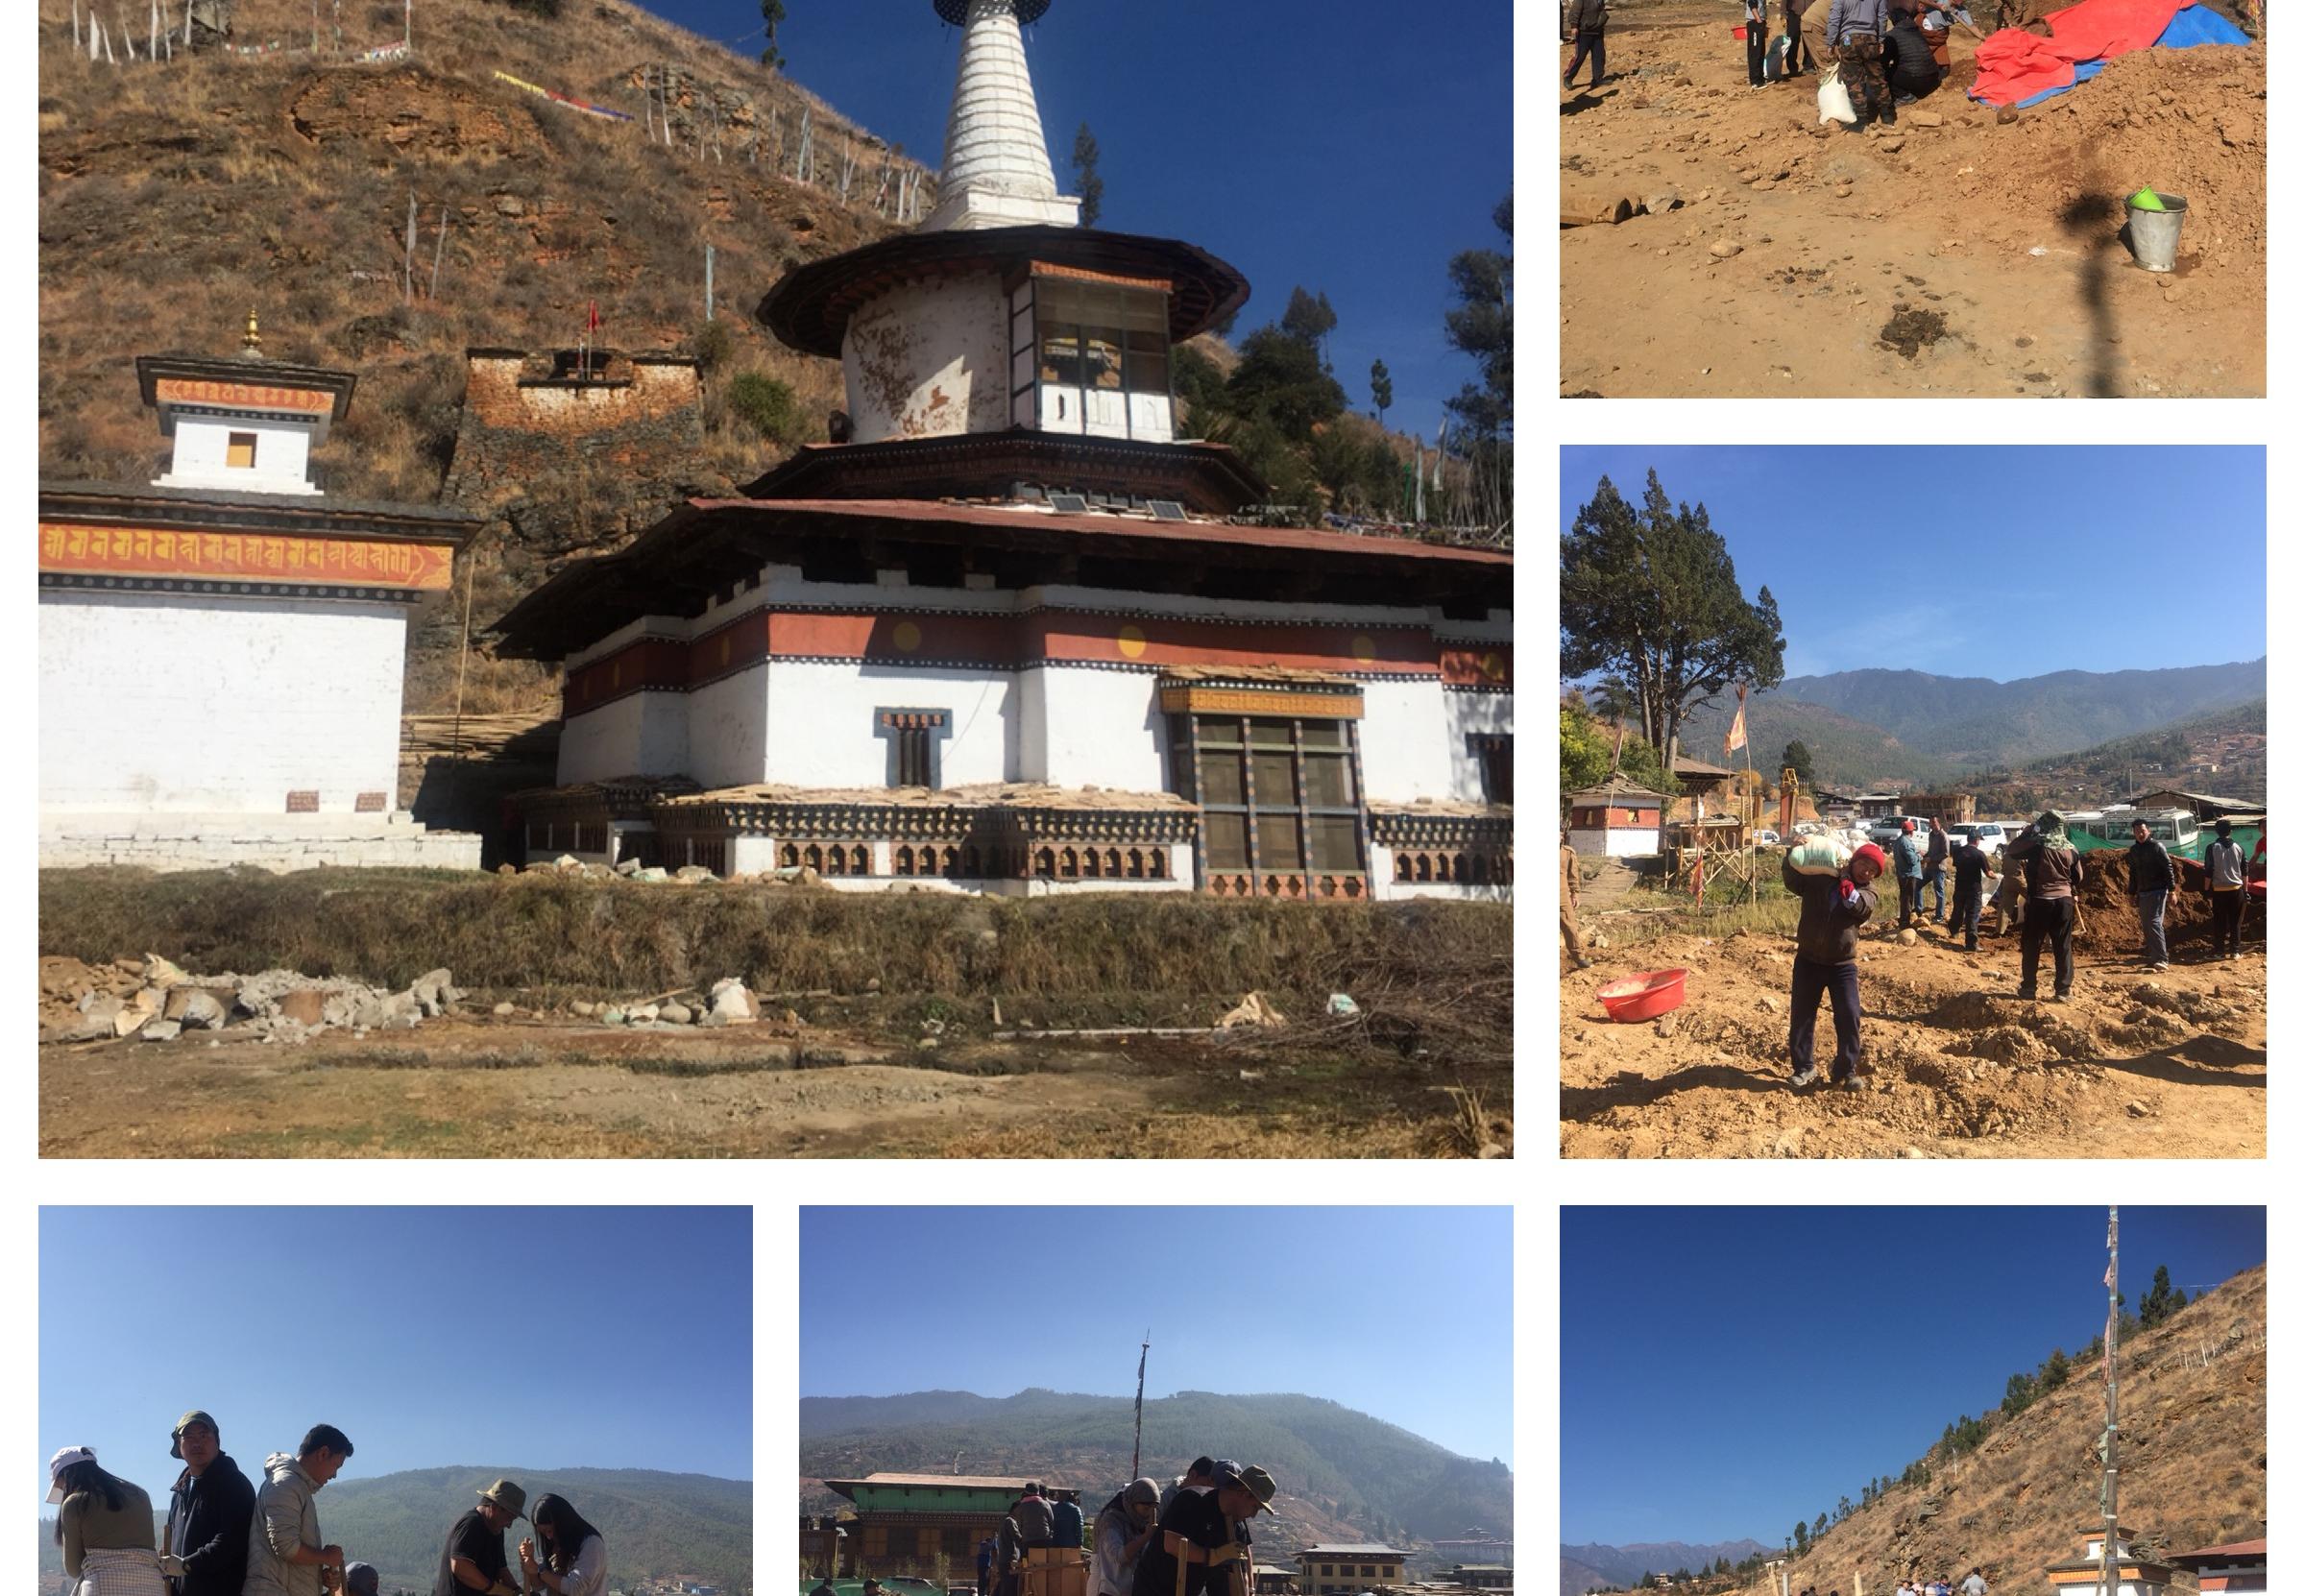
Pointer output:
305, 1006
199, 1009
1908, 936
583, 1009
502, 1010
1924, 119
1722, 248
1253, 1010
1662, 201
1773, 1004
160, 1030
160, 973
1670, 1024
675, 1014
693, 873
430, 992
2137, 1110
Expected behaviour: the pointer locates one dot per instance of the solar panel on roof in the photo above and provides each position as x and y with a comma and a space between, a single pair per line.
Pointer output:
1167, 509
1070, 504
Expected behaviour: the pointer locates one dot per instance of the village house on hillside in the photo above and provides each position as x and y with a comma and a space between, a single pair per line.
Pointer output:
1009, 632
220, 650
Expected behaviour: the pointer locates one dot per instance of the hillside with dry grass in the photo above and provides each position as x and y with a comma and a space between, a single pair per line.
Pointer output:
2192, 1464
179, 195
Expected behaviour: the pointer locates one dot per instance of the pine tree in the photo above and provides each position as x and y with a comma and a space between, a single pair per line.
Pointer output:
1796, 756
1380, 390
2161, 1301
1091, 186
772, 16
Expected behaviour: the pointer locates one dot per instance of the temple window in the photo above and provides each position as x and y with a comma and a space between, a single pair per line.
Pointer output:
1275, 794
240, 450
915, 739
1492, 758
1100, 360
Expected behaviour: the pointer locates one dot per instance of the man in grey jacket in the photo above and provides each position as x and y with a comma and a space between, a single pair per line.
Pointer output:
1854, 30
285, 1554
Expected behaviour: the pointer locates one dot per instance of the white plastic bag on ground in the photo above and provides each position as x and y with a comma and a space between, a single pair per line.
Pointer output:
1833, 97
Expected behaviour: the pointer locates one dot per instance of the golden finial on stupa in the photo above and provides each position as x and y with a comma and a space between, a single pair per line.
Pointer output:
252, 342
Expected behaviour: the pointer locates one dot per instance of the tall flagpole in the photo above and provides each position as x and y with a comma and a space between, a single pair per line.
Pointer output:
1136, 1452
2108, 1571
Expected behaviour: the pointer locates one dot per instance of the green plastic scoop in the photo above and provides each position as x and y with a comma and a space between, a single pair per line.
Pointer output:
2145, 199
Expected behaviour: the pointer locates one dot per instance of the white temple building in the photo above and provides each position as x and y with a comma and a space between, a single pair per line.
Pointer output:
1012, 632
221, 649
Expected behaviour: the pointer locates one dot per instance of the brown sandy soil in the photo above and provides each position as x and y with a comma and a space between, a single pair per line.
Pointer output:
2137, 1065
525, 1089
1795, 247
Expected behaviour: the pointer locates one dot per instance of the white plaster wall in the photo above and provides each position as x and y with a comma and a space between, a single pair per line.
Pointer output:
169, 702
282, 450
641, 734
929, 361
1406, 751
1469, 713
728, 730
821, 733
1619, 842
1092, 727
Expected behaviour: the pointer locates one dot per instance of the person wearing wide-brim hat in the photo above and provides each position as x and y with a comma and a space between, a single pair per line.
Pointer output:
1201, 1550
203, 1550
103, 1526
472, 1562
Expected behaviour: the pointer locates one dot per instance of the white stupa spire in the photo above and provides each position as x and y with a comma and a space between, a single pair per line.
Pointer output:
996, 158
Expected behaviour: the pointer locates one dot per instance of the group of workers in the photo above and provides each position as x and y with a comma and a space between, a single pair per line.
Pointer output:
1189, 1537
2041, 873
1890, 52
225, 1536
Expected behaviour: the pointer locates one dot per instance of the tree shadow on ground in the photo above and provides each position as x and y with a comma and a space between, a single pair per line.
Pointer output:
2168, 1066
2084, 219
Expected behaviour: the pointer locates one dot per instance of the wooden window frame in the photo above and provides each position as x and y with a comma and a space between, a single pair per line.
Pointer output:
235, 440
1243, 745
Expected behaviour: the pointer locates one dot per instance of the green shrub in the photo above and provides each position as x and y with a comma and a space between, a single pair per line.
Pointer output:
766, 404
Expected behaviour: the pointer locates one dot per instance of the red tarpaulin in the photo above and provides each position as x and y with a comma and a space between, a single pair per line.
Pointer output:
2014, 65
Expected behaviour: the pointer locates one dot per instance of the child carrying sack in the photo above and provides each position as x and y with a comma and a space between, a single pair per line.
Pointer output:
1833, 97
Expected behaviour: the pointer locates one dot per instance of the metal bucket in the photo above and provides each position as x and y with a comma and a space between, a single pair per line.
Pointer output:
2154, 234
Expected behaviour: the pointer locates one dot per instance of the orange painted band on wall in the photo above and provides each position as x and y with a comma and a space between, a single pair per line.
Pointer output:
242, 396
243, 556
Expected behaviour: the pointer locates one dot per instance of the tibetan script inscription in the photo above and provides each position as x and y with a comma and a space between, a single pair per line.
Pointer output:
243, 556
242, 396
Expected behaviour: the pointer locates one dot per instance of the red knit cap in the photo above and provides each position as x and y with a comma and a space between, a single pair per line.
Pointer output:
1872, 851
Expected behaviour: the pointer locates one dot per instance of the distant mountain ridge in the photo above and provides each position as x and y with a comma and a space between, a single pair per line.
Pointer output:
1592, 1565
656, 1524
1346, 1470
1910, 727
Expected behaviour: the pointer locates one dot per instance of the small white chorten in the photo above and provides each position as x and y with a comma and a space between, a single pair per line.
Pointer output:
996, 159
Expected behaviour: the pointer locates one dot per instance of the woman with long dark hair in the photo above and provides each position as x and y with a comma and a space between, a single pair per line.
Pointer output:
104, 1527
576, 1559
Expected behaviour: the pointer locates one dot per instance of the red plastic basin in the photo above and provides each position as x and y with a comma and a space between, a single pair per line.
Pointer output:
1738, 32
1644, 997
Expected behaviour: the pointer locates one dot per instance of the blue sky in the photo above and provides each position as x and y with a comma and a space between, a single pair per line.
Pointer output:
1727, 1372
1430, 1350
2112, 555
1351, 146
549, 1337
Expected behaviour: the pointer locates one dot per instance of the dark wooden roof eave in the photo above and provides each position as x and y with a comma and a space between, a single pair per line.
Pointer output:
151, 368
705, 544
809, 306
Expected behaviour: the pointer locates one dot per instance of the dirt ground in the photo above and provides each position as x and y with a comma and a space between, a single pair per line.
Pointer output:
2136, 1066
488, 1088
1953, 254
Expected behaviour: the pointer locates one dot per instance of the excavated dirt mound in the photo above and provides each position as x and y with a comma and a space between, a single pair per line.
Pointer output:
2189, 122
2109, 922
2135, 1066
1752, 252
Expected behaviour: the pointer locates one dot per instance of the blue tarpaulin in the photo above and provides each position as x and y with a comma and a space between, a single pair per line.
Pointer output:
2196, 24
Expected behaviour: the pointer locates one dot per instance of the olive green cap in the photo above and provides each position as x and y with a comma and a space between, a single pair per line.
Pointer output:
195, 1417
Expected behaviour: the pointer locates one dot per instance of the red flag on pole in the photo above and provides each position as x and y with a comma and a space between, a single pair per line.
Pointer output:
592, 321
